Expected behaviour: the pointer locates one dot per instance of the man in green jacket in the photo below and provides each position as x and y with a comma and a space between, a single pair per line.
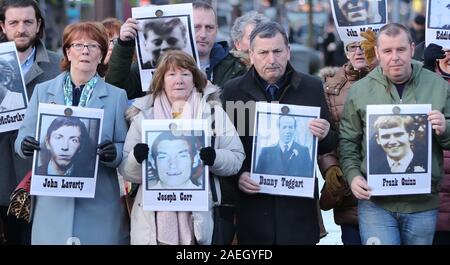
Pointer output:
391, 220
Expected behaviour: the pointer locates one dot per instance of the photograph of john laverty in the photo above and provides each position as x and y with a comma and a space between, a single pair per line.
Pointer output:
67, 146
398, 144
283, 151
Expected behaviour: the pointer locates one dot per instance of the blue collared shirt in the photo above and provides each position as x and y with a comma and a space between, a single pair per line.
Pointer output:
26, 65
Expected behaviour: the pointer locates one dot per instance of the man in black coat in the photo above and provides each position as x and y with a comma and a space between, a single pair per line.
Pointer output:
263, 218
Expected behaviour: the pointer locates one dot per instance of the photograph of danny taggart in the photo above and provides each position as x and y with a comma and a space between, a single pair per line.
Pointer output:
286, 150
67, 146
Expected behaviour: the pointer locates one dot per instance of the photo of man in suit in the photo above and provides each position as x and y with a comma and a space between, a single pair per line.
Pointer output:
287, 158
396, 135
67, 149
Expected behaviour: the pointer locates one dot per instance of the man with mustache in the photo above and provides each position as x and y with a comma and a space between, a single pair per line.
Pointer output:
21, 21
264, 218
394, 220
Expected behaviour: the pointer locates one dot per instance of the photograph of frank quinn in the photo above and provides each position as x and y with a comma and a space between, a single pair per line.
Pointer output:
287, 157
439, 14
398, 144
12, 96
174, 161
360, 12
67, 146
161, 34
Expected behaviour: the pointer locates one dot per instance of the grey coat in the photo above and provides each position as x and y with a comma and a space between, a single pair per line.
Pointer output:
58, 220
14, 168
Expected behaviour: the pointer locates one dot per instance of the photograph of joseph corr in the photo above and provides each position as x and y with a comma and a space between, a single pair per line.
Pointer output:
360, 12
162, 34
12, 96
284, 149
67, 146
174, 161
398, 144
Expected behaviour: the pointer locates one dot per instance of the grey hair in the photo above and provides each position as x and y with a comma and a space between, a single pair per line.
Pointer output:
393, 30
268, 30
253, 18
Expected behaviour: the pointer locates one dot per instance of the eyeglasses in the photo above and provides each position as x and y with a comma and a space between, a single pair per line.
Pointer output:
353, 48
113, 41
80, 46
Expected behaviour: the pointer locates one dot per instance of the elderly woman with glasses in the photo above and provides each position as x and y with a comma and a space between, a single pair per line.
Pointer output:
100, 220
336, 193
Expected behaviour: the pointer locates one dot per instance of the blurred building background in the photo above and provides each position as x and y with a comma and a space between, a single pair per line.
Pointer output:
305, 20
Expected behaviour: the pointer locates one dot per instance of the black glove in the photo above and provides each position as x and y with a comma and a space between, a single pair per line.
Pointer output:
431, 54
208, 155
107, 151
29, 144
140, 152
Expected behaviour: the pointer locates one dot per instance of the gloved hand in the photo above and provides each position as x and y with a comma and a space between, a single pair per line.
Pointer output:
431, 54
208, 155
28, 145
333, 179
140, 152
107, 151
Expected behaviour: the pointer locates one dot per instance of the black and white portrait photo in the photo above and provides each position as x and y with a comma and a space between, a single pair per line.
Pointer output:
174, 161
68, 146
439, 14
174, 176
359, 12
398, 139
161, 29
288, 156
13, 94
398, 144
160, 35
66, 163
284, 149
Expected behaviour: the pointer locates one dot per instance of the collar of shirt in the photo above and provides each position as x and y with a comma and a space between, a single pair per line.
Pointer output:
403, 163
26, 65
281, 145
280, 83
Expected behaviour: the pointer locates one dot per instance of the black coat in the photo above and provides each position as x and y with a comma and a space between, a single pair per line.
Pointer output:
269, 219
